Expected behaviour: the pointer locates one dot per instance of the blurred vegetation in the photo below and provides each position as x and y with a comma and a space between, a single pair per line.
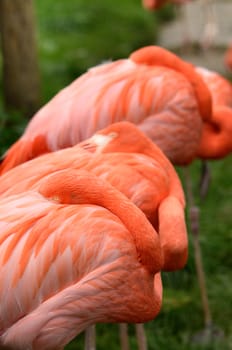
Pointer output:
74, 35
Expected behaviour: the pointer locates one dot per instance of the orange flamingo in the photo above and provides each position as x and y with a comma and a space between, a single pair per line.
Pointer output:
228, 58
139, 170
74, 242
146, 177
141, 89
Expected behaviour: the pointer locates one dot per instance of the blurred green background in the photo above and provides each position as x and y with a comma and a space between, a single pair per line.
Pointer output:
74, 35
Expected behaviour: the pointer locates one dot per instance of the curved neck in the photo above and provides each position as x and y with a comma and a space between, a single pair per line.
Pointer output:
80, 187
155, 55
216, 141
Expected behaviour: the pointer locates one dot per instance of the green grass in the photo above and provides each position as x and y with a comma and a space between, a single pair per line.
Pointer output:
74, 35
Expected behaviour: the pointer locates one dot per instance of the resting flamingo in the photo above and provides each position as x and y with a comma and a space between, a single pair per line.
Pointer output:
146, 177
139, 170
141, 89
74, 243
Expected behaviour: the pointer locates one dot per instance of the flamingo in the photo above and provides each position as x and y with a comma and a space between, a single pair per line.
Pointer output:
215, 141
228, 58
146, 177
139, 170
73, 242
141, 89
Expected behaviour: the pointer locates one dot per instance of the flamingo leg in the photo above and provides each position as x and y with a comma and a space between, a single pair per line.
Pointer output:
90, 338
141, 336
205, 179
211, 28
194, 228
123, 334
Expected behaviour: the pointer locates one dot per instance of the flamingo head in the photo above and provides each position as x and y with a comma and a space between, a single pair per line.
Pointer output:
216, 141
118, 137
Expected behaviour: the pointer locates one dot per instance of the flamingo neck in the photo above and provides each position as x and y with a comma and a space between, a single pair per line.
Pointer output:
81, 187
155, 55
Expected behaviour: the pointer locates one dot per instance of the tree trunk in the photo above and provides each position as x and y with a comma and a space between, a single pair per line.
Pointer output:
21, 81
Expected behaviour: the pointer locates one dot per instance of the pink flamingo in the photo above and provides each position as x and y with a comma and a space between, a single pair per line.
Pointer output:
74, 243
139, 170
146, 177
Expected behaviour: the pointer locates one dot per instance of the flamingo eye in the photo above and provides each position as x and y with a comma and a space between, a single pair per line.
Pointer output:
112, 135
